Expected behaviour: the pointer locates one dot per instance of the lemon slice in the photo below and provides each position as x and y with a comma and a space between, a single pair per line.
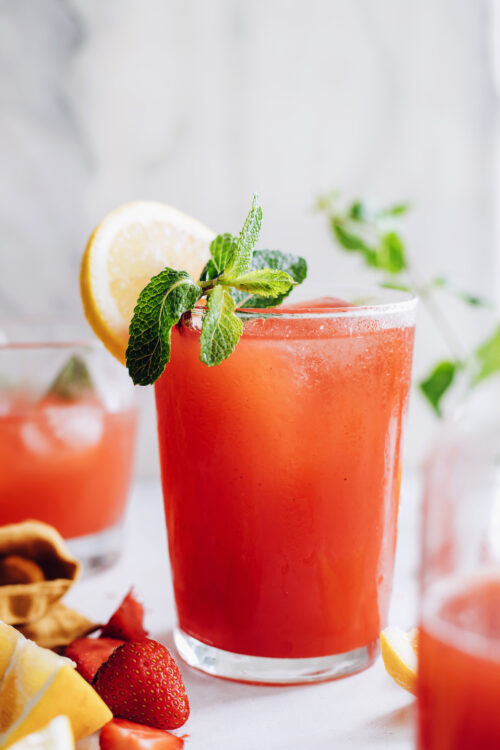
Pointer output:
399, 652
57, 735
8, 642
66, 693
37, 685
29, 669
129, 246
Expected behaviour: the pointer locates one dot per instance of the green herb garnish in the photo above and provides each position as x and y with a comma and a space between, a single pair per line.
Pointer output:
435, 385
486, 358
72, 381
236, 275
375, 237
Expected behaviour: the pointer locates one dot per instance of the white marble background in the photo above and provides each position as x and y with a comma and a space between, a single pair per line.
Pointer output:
201, 102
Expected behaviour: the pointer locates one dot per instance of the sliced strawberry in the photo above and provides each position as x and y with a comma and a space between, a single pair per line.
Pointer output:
127, 622
125, 735
141, 682
90, 653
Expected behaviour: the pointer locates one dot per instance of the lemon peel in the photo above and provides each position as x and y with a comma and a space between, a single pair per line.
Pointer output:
130, 245
399, 650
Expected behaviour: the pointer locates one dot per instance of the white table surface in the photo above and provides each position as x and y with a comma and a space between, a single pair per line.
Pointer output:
364, 711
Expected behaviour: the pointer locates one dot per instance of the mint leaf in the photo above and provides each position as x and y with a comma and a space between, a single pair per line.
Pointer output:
358, 211
391, 254
398, 210
222, 250
487, 358
160, 306
242, 257
294, 265
356, 229
221, 328
73, 381
386, 252
348, 239
435, 386
264, 283
399, 286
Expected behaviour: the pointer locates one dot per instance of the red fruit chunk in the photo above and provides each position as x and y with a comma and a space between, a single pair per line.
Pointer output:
141, 682
90, 653
125, 735
127, 622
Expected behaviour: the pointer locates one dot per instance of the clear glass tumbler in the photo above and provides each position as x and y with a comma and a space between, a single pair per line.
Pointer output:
281, 471
67, 434
459, 646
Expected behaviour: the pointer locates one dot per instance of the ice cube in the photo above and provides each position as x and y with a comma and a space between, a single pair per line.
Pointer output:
35, 438
78, 425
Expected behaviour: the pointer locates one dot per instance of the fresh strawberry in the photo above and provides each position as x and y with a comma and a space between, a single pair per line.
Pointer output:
127, 622
90, 653
141, 682
125, 735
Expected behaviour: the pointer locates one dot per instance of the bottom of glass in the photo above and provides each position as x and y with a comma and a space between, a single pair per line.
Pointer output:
96, 552
267, 671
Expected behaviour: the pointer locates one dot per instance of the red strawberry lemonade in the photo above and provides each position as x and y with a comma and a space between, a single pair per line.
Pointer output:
281, 471
67, 463
459, 667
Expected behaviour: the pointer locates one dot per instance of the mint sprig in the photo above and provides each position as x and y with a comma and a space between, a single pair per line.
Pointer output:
375, 237
72, 381
234, 274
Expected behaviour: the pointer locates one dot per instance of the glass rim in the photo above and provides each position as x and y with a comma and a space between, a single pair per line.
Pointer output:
400, 302
63, 344
395, 301
31, 332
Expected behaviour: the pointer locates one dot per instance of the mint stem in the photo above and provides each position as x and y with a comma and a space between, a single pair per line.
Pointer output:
206, 285
437, 315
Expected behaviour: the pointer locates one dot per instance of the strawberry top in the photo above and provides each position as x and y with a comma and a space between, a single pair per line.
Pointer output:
126, 623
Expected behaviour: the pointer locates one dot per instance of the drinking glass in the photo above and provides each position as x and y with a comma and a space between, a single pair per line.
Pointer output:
67, 433
459, 645
281, 471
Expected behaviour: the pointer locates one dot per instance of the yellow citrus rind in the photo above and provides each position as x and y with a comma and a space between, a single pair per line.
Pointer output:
37, 685
399, 650
57, 735
129, 246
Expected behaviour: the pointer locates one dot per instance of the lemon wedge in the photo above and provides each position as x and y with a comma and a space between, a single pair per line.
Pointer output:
29, 669
8, 642
130, 245
399, 652
57, 735
37, 685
